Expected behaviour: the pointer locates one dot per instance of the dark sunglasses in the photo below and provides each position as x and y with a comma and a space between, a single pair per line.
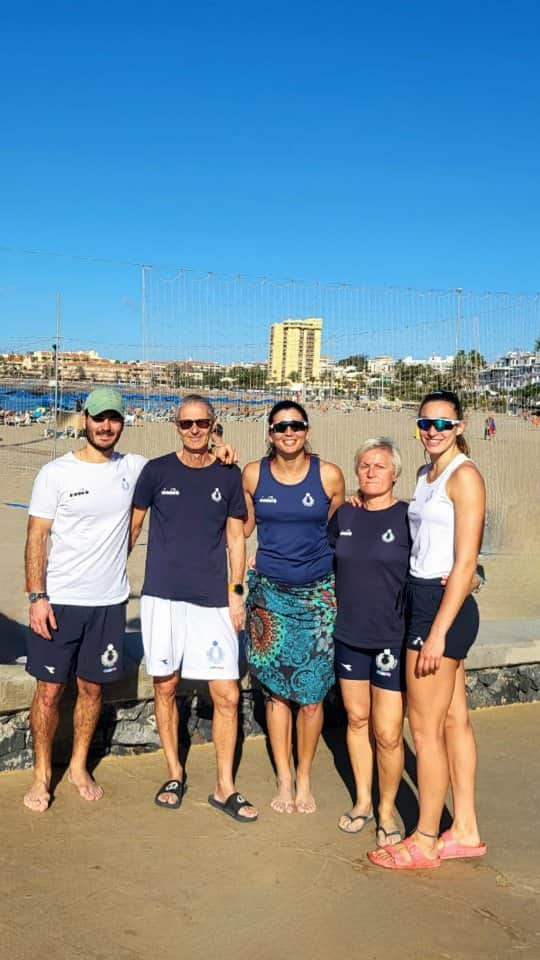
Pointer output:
202, 424
439, 423
297, 426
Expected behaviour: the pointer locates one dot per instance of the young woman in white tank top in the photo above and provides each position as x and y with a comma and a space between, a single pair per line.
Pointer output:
447, 521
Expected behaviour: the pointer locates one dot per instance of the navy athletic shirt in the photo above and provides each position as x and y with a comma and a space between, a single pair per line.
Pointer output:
292, 526
371, 562
186, 557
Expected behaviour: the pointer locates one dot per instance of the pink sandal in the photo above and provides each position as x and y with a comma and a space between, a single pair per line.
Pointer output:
454, 850
393, 858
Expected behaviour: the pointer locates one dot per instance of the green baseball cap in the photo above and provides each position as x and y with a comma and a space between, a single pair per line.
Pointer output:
102, 399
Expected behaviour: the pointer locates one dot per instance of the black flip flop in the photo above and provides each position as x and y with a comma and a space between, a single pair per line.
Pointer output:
232, 806
387, 835
178, 787
367, 818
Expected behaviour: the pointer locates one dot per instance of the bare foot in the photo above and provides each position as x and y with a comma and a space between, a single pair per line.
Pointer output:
305, 801
38, 797
283, 802
86, 785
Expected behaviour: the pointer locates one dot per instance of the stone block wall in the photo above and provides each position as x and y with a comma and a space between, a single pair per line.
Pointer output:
130, 727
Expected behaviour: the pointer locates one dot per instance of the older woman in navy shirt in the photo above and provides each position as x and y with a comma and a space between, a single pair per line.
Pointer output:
372, 547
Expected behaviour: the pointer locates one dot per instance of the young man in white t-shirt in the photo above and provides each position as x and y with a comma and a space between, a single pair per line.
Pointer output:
78, 593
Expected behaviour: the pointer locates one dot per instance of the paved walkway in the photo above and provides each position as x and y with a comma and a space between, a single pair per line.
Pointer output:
124, 880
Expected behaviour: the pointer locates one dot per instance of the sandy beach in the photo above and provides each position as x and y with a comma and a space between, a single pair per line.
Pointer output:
511, 551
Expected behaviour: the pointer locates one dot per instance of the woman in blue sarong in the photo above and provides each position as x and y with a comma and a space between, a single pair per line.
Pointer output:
291, 606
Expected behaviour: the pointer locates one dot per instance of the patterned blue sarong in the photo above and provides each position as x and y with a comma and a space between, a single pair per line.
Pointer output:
290, 627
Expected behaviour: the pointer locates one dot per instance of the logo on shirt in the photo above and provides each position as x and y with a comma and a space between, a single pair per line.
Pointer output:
216, 495
308, 500
79, 493
345, 533
109, 658
385, 662
125, 484
170, 492
267, 499
389, 536
50, 669
418, 642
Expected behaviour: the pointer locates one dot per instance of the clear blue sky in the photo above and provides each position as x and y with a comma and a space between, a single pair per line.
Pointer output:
381, 144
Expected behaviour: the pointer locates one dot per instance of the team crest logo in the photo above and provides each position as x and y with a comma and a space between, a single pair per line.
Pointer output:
308, 500
125, 484
216, 495
386, 661
109, 657
388, 537
215, 653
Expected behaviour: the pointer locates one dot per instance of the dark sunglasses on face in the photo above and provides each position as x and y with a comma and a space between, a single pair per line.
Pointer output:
202, 424
297, 426
439, 423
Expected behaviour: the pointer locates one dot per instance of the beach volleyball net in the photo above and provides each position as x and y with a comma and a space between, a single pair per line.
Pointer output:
358, 358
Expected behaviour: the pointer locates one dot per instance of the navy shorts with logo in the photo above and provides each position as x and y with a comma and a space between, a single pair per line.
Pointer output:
423, 599
89, 643
383, 667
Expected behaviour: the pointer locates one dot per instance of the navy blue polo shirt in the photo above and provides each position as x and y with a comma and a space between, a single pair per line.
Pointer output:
371, 558
186, 557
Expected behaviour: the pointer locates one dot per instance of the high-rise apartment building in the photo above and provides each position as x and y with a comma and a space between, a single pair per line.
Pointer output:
295, 348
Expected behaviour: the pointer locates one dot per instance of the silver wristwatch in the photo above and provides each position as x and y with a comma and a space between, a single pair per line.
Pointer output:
34, 597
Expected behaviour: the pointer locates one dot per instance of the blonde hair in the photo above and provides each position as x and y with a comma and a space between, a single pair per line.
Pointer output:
380, 443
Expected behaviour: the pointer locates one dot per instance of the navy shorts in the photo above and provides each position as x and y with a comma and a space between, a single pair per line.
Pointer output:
423, 599
383, 667
89, 643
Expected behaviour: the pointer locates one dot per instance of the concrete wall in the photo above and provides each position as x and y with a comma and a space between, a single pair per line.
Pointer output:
503, 667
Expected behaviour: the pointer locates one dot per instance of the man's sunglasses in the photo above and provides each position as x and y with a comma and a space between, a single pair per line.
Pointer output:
202, 424
297, 426
439, 423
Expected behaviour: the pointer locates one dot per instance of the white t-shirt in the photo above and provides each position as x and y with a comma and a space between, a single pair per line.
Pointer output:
90, 506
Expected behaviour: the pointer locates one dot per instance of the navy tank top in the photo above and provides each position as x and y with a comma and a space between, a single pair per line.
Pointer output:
292, 526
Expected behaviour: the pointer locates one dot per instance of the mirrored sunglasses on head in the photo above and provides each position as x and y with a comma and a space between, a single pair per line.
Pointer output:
297, 426
440, 423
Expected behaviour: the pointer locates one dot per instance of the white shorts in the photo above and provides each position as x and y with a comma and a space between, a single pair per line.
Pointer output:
201, 641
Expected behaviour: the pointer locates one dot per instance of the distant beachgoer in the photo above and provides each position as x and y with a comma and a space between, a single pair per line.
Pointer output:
216, 437
446, 517
290, 495
487, 432
492, 428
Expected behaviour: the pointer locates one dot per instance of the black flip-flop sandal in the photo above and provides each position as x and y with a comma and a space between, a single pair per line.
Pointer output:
232, 806
387, 834
178, 787
367, 818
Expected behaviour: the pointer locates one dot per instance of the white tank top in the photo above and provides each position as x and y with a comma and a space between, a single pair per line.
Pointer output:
431, 520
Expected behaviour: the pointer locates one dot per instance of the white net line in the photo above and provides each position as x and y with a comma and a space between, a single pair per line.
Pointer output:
381, 350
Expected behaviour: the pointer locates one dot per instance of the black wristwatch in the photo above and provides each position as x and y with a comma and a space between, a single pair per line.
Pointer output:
237, 588
34, 597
